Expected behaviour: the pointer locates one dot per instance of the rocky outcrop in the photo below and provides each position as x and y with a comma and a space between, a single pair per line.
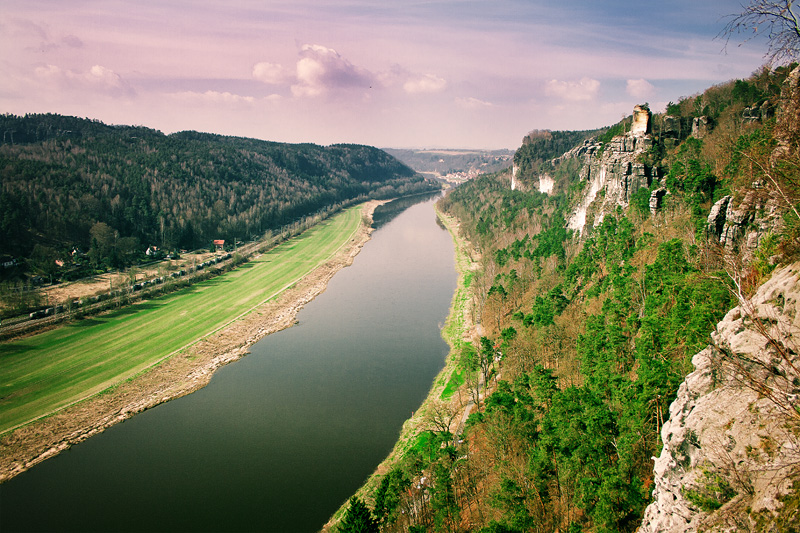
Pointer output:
671, 128
641, 121
701, 126
758, 113
618, 170
656, 197
743, 224
731, 456
787, 131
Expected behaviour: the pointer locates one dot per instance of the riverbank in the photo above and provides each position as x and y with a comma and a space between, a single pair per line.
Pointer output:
182, 373
459, 328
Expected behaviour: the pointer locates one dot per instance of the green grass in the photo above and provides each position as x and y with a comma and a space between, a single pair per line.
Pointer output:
455, 381
46, 372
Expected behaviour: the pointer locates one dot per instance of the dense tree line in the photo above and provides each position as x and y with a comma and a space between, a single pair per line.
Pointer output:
540, 146
586, 340
113, 190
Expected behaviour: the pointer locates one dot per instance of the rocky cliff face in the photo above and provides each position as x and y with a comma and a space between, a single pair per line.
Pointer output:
745, 223
617, 170
731, 456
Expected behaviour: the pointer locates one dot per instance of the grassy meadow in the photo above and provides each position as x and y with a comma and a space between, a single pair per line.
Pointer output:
46, 372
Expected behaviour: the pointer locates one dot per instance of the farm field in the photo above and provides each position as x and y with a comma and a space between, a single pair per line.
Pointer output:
46, 372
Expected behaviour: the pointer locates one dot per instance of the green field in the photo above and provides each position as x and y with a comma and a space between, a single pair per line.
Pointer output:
49, 371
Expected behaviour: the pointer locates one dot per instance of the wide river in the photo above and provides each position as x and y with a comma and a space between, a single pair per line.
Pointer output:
280, 439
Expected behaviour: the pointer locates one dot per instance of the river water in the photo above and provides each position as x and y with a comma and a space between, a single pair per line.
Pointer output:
280, 439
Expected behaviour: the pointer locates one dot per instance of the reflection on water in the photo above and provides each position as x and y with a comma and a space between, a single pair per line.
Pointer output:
387, 212
279, 440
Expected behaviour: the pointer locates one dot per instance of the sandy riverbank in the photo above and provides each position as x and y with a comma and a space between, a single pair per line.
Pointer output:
181, 374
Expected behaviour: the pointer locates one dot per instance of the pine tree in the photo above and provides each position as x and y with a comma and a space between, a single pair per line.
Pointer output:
358, 518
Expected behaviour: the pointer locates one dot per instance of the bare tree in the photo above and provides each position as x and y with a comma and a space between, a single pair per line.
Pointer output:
776, 19
441, 414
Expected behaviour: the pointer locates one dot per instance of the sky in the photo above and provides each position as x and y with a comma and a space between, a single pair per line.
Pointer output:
387, 73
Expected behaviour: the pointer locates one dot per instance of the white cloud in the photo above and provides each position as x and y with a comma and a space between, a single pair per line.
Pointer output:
100, 75
270, 73
213, 97
574, 91
639, 88
425, 84
321, 70
473, 103
96, 79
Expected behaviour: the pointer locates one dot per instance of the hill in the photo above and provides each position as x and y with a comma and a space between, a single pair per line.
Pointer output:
113, 191
440, 163
601, 266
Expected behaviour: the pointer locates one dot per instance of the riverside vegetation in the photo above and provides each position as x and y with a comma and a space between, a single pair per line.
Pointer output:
124, 343
267, 293
583, 339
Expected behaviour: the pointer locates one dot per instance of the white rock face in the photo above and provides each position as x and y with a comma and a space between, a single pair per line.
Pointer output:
578, 219
757, 214
618, 171
728, 424
514, 171
546, 184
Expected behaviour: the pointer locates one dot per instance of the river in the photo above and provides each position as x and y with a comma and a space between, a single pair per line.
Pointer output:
280, 439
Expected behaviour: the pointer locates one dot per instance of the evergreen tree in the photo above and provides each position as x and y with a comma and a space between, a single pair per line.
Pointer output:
358, 518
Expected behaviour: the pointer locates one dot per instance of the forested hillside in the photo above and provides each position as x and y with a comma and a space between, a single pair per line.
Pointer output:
112, 191
584, 338
442, 162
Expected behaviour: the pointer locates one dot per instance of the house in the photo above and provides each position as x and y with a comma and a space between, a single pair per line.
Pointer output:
220, 244
151, 250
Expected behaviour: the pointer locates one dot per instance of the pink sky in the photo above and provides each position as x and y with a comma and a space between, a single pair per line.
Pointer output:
448, 74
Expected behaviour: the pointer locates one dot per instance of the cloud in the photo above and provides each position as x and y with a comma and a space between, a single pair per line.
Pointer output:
213, 97
473, 103
425, 84
640, 88
270, 73
573, 91
321, 70
72, 41
96, 79
101, 76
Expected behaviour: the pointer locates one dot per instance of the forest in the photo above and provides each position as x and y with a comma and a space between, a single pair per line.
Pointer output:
110, 192
586, 338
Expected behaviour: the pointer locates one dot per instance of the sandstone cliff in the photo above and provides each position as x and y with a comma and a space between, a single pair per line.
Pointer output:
615, 168
731, 455
612, 170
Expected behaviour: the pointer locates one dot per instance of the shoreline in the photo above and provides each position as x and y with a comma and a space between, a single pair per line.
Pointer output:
458, 327
182, 373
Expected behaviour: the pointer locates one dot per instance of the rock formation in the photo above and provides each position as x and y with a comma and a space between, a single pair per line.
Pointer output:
700, 127
732, 442
618, 170
671, 128
655, 200
641, 121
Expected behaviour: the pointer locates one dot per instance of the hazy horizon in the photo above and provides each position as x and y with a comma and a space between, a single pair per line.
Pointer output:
410, 75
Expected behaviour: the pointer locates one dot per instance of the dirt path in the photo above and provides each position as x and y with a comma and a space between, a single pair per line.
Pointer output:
177, 376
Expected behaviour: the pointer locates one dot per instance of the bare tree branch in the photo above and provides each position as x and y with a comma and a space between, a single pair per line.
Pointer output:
775, 19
